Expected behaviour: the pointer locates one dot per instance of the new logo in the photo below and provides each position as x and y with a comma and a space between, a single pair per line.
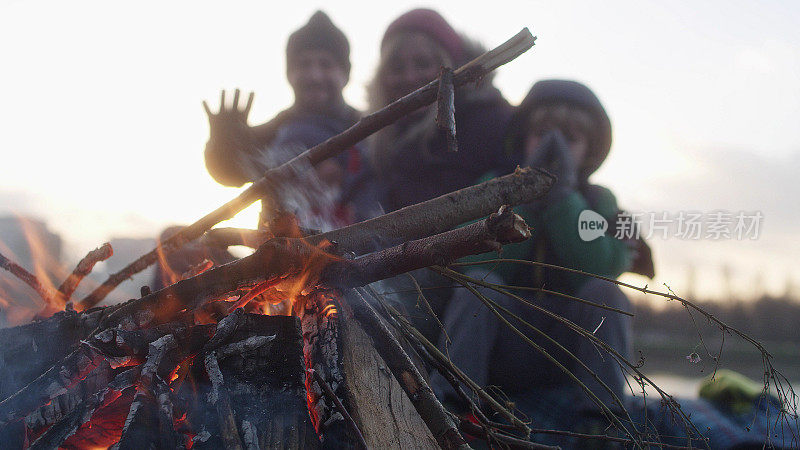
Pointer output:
591, 225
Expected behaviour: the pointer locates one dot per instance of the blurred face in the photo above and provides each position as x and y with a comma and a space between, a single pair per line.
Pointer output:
574, 124
412, 60
577, 140
317, 79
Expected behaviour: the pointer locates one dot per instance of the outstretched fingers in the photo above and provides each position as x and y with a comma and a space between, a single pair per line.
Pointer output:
222, 102
249, 104
236, 94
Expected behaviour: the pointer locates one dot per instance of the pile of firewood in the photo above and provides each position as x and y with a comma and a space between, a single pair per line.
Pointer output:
199, 364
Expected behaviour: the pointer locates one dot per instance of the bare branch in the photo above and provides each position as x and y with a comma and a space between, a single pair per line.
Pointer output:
50, 298
84, 268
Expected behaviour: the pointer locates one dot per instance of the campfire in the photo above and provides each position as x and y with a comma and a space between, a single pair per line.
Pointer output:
288, 347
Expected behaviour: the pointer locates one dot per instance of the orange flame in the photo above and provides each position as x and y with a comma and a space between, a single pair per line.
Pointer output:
168, 274
330, 310
19, 302
284, 295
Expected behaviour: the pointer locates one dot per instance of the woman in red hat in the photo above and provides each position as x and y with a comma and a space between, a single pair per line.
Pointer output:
410, 161
410, 158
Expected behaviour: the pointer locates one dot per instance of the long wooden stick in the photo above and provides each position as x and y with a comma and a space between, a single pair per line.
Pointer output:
503, 227
368, 125
424, 219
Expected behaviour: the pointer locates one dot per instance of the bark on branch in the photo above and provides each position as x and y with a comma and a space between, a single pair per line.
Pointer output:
417, 221
488, 235
283, 257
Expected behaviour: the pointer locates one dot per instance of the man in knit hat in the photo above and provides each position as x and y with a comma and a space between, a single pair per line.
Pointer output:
317, 68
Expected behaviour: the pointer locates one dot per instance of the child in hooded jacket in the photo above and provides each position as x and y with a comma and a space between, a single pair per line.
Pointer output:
561, 127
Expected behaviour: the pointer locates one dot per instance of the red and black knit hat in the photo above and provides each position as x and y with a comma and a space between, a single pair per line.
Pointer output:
431, 24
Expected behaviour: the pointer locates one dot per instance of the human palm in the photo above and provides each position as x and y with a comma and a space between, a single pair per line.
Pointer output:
229, 124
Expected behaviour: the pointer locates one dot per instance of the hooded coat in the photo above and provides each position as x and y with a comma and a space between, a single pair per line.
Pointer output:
415, 164
493, 354
555, 236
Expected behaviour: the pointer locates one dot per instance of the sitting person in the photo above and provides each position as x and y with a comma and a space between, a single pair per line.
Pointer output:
409, 159
317, 68
561, 127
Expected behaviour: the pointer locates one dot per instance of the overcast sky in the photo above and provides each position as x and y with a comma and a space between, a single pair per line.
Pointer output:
102, 128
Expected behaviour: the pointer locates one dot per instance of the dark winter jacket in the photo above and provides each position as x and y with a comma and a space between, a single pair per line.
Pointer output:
233, 162
415, 166
555, 240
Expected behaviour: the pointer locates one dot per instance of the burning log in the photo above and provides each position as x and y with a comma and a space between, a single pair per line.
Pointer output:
257, 396
330, 395
218, 397
123, 336
59, 432
61, 405
38, 344
143, 416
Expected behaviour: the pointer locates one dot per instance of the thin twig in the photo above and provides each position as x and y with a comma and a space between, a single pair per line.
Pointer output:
769, 373
667, 399
421, 297
493, 307
84, 268
603, 437
643, 290
510, 441
50, 298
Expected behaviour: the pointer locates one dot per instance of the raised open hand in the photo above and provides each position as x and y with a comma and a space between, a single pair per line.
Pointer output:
229, 119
